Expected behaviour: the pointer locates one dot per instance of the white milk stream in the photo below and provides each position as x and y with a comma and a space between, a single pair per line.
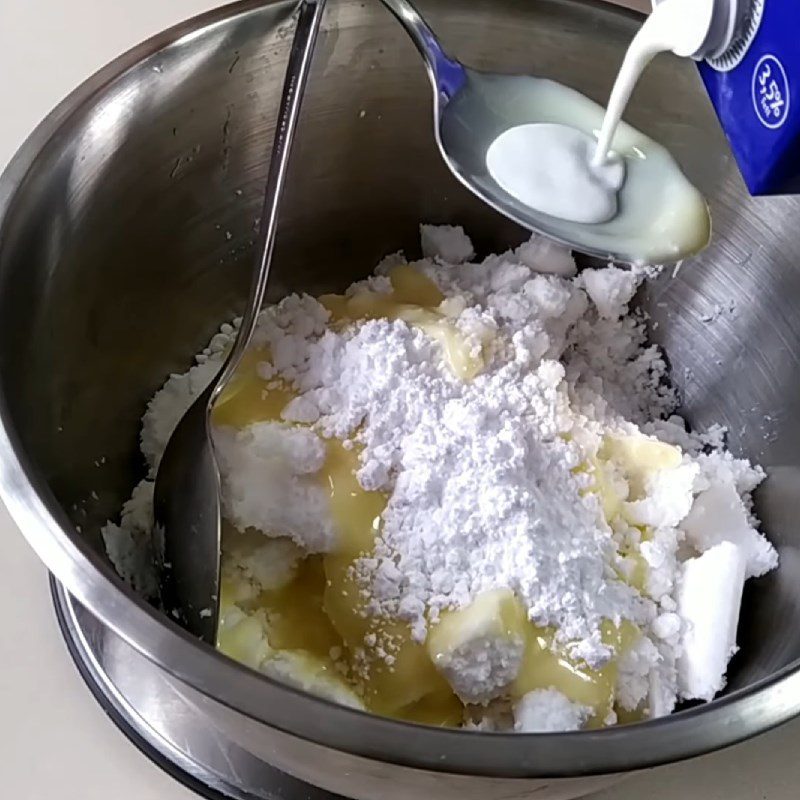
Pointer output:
679, 26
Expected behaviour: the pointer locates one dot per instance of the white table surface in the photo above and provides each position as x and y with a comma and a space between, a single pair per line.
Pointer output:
55, 742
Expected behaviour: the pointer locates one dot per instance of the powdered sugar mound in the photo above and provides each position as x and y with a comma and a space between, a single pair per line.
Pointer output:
482, 492
614, 375
479, 477
482, 481
268, 483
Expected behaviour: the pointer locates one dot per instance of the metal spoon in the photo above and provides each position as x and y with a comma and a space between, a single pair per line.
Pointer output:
187, 490
472, 108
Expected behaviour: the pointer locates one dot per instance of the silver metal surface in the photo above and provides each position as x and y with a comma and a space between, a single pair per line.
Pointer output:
472, 108
127, 226
186, 502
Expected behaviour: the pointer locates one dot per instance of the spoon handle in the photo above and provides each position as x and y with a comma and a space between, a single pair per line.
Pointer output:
447, 75
297, 70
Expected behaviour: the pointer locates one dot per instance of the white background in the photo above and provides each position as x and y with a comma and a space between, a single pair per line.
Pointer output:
55, 742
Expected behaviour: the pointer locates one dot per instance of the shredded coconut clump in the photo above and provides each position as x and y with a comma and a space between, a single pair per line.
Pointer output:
557, 478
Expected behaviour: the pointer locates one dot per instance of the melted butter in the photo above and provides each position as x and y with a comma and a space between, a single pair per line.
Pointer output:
442, 709
621, 637
459, 355
244, 639
410, 687
638, 576
639, 457
626, 717
414, 299
639, 461
246, 399
356, 512
636, 571
411, 684
611, 495
409, 285
295, 615
545, 666
241, 636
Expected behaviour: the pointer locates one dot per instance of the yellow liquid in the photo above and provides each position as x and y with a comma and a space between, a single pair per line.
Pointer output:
638, 576
324, 608
545, 665
295, 612
409, 687
246, 398
637, 458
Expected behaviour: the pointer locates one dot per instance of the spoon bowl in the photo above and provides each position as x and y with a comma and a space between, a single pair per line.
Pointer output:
661, 217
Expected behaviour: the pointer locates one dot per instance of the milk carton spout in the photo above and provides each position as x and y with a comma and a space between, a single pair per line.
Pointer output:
711, 27
701, 29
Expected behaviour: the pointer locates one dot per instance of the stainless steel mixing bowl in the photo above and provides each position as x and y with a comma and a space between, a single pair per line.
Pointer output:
126, 223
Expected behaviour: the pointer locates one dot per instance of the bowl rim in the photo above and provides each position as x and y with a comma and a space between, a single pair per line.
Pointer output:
754, 709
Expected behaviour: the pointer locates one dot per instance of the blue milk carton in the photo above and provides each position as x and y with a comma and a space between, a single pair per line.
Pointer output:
754, 84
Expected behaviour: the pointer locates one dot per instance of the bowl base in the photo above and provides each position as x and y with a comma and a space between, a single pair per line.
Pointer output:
200, 758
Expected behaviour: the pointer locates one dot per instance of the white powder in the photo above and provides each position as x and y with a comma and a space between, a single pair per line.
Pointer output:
635, 667
482, 668
254, 564
610, 289
548, 710
544, 255
719, 515
269, 483
484, 477
129, 545
447, 242
668, 498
